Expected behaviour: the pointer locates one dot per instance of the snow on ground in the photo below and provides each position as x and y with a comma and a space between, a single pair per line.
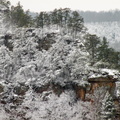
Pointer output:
105, 72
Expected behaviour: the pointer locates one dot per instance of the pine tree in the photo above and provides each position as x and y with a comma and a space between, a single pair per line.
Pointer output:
114, 58
19, 16
60, 17
54, 16
40, 20
47, 19
103, 50
76, 23
92, 44
66, 15
107, 54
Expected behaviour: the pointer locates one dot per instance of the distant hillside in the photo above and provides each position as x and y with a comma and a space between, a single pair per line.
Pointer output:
33, 14
103, 16
92, 16
108, 29
104, 23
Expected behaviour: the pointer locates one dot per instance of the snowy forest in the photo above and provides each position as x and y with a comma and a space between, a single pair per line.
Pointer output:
56, 67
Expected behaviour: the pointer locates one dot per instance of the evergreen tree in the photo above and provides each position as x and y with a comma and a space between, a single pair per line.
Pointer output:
66, 15
114, 58
103, 50
19, 16
92, 44
40, 20
60, 17
107, 54
100, 51
47, 19
76, 22
54, 16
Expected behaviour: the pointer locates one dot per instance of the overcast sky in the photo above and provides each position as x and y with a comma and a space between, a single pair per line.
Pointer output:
48, 5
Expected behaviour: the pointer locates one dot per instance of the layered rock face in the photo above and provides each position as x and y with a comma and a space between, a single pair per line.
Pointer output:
106, 78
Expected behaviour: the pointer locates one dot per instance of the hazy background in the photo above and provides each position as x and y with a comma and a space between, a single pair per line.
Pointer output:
48, 5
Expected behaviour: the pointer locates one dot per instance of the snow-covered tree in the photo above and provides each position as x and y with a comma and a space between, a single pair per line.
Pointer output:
108, 110
39, 75
96, 103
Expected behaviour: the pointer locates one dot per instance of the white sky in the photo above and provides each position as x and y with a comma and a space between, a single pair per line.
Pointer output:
48, 5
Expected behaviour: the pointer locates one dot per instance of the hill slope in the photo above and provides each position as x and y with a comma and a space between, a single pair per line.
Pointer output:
31, 60
41, 73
